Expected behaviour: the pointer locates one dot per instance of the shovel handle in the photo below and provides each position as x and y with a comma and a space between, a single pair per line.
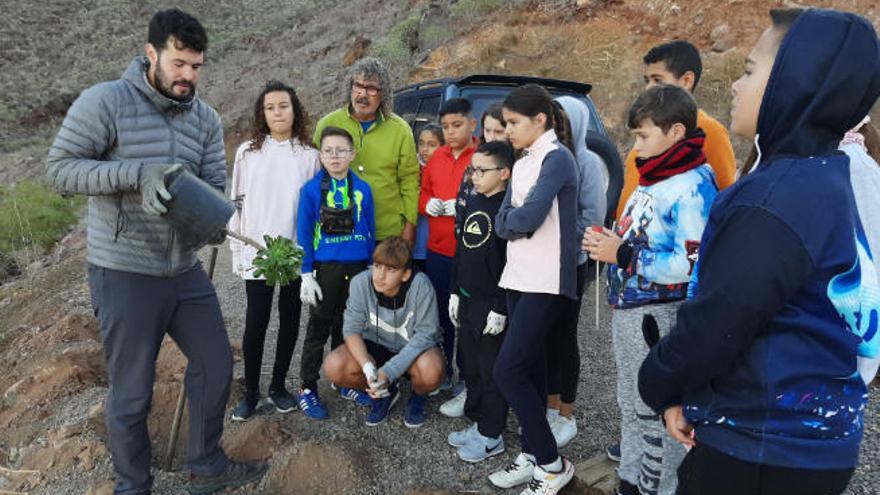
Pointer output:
181, 394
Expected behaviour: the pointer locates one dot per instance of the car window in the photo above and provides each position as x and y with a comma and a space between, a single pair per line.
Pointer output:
429, 108
406, 108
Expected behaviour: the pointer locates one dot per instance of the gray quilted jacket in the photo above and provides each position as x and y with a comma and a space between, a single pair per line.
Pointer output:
112, 131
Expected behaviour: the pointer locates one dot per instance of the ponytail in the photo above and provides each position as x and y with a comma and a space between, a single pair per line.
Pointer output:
562, 126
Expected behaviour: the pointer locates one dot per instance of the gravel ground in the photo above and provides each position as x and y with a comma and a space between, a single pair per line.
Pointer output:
395, 459
401, 458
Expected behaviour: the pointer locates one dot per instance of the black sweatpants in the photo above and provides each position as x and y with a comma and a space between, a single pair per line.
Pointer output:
706, 470
259, 309
520, 371
325, 319
484, 404
135, 312
563, 353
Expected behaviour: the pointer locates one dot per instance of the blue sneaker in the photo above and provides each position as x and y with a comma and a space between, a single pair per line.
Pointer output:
416, 415
461, 437
359, 397
246, 408
310, 404
481, 448
283, 400
381, 407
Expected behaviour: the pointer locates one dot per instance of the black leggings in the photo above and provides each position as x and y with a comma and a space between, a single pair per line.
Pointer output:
563, 354
706, 470
259, 308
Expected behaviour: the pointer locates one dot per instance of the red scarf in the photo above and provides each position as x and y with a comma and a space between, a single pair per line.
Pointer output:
684, 155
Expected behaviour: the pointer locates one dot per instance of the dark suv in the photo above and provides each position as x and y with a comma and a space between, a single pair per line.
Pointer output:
419, 104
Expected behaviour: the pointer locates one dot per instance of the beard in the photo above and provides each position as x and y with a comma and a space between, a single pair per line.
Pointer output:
166, 87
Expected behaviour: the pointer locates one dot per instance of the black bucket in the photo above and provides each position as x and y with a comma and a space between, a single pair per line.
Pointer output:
197, 211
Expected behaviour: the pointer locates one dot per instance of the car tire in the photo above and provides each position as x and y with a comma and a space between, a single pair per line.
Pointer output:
606, 150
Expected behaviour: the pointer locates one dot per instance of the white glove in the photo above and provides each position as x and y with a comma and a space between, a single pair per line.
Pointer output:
449, 208
370, 373
494, 323
435, 207
453, 309
378, 389
310, 292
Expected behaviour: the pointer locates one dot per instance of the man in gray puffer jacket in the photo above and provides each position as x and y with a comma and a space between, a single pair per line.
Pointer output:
117, 143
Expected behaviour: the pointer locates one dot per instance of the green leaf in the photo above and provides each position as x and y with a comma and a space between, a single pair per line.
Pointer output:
279, 262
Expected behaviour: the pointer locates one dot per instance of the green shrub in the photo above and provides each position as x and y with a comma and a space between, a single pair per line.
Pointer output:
467, 8
34, 216
396, 47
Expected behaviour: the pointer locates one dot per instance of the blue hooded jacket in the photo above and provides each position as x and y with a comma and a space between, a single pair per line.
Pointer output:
763, 357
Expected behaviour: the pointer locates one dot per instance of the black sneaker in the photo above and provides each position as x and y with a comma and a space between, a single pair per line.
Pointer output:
626, 488
245, 409
283, 400
237, 474
613, 452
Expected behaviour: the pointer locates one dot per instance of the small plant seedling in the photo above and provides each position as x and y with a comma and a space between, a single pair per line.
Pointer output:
279, 262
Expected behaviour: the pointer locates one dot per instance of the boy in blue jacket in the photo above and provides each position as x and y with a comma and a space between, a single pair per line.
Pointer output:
652, 254
759, 374
336, 227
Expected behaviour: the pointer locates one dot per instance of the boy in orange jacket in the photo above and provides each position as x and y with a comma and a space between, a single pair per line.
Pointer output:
678, 63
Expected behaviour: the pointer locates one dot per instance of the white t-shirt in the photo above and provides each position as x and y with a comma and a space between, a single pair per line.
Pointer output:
268, 182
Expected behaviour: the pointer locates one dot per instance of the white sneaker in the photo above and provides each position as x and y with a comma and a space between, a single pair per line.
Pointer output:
545, 483
454, 407
516, 473
564, 430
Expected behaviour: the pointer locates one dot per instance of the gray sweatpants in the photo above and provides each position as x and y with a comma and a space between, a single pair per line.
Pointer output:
135, 312
649, 456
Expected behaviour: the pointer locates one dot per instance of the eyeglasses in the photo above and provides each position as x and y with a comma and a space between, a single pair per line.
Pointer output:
480, 172
336, 152
369, 90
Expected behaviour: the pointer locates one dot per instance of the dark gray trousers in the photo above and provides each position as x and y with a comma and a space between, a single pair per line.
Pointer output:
135, 312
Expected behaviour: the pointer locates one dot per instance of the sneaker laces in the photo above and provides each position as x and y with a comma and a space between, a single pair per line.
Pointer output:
535, 484
513, 466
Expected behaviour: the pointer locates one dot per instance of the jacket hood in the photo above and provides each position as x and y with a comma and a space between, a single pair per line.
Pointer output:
824, 80
136, 74
578, 116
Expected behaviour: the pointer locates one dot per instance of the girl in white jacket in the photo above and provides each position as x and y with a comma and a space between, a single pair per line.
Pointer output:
269, 171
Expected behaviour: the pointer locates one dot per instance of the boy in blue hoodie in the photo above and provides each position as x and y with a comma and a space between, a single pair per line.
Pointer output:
759, 374
336, 227
651, 255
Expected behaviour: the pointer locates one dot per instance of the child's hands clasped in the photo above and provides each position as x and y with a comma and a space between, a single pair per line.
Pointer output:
377, 381
435, 207
602, 244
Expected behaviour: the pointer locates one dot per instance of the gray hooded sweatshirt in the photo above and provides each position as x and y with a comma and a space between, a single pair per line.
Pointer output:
591, 187
110, 134
408, 330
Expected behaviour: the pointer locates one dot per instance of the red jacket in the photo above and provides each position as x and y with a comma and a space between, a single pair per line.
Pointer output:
440, 179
